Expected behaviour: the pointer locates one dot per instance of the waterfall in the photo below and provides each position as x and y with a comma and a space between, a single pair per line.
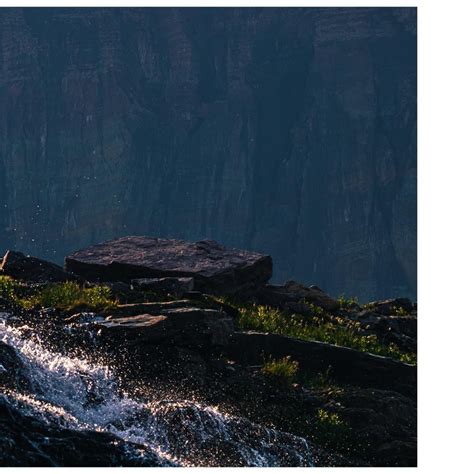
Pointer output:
77, 394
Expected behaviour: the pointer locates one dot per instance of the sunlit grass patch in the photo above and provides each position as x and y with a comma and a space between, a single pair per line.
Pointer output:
284, 369
8, 287
347, 302
70, 295
319, 327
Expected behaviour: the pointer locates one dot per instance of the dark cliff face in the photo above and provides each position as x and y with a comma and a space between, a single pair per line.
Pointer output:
286, 131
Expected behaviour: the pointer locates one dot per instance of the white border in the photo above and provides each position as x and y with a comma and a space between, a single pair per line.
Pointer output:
445, 221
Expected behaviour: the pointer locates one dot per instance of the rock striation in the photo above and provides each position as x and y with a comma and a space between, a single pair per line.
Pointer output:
285, 130
215, 268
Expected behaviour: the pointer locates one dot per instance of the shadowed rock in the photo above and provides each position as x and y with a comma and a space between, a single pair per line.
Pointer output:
292, 292
391, 306
27, 441
18, 265
215, 269
170, 285
347, 365
182, 326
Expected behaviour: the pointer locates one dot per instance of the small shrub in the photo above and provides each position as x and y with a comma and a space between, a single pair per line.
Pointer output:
283, 369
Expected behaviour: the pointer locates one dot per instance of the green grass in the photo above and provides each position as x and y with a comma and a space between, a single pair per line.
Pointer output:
332, 329
8, 287
400, 311
331, 431
69, 296
283, 369
347, 302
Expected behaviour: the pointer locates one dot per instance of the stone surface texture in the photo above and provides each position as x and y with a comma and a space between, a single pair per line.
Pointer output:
289, 131
214, 267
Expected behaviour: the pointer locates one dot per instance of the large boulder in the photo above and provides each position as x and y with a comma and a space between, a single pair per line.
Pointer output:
17, 265
215, 269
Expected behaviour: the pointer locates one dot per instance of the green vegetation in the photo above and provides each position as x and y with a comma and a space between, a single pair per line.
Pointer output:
369, 306
70, 295
331, 431
283, 369
320, 327
8, 287
65, 296
319, 381
347, 302
400, 311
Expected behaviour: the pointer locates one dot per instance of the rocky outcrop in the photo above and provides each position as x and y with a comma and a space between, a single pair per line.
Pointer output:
180, 326
166, 363
285, 130
346, 365
214, 268
20, 266
291, 293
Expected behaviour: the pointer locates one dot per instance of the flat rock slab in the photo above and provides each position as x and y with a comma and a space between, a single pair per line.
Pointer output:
183, 327
215, 268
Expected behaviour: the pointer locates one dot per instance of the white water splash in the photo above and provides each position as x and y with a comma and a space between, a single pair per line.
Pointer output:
80, 395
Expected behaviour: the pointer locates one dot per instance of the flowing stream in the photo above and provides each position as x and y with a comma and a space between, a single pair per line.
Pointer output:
76, 394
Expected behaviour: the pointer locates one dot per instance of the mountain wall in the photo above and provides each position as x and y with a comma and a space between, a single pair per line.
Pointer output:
286, 131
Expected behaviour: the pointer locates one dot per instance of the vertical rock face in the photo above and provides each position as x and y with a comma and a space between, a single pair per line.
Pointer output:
286, 131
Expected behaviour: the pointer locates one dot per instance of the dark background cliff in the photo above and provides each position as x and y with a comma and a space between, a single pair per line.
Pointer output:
288, 131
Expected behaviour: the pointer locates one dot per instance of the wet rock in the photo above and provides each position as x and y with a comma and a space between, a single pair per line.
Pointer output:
32, 442
11, 369
182, 326
170, 285
292, 292
215, 269
346, 365
207, 438
17, 265
397, 453
383, 423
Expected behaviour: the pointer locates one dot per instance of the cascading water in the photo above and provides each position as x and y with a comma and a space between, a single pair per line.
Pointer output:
76, 394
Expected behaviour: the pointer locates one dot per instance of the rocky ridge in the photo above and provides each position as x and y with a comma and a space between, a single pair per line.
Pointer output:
168, 341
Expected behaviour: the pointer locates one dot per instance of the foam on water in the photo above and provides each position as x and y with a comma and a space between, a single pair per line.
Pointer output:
80, 395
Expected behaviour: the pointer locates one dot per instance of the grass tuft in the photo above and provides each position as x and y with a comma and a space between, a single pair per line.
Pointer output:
330, 430
283, 369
